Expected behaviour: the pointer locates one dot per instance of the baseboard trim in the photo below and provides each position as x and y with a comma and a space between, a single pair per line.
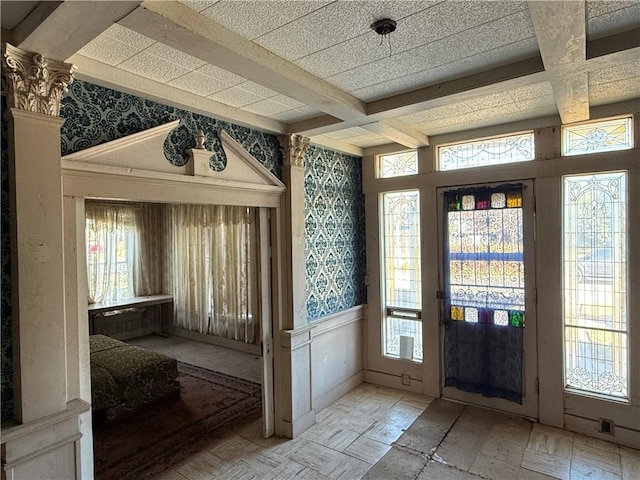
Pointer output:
327, 398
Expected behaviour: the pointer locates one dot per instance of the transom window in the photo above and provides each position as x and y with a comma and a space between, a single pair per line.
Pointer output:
398, 164
600, 136
488, 151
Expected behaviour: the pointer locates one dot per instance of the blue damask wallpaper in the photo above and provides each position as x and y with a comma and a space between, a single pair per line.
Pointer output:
95, 115
6, 364
334, 232
334, 213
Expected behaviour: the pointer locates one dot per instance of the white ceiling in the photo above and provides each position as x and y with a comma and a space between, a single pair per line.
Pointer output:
316, 67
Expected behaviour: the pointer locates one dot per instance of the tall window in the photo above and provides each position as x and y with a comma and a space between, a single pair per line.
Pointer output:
124, 249
112, 249
595, 284
402, 336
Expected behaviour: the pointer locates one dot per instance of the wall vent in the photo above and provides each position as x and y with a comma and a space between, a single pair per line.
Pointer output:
606, 426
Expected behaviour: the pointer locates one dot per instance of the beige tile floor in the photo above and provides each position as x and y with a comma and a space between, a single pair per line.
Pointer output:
376, 432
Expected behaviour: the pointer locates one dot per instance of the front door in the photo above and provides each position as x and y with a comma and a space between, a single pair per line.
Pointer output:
487, 284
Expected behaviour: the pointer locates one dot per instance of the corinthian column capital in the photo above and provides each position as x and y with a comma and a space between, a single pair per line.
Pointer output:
294, 148
33, 82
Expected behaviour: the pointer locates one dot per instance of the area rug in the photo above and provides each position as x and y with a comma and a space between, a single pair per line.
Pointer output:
165, 433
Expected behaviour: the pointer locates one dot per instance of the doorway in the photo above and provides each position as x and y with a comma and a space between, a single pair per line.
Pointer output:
487, 289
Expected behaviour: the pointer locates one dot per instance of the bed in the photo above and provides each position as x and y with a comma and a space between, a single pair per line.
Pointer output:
124, 377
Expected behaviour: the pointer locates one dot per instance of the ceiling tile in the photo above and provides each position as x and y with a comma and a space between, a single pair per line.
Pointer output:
614, 72
253, 19
612, 21
220, 74
289, 102
256, 89
236, 97
536, 103
198, 5
479, 44
541, 89
296, 115
617, 91
153, 67
115, 45
266, 107
175, 56
332, 24
348, 133
196, 82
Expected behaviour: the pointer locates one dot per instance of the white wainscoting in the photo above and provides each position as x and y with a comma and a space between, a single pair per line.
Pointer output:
336, 355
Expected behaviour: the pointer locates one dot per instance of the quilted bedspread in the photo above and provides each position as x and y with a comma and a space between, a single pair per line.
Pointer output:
123, 376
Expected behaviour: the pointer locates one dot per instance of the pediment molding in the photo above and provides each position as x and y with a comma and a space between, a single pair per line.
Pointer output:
143, 154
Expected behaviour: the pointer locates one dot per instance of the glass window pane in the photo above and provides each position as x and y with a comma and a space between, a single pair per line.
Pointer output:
401, 272
399, 327
595, 283
490, 151
402, 276
398, 164
599, 136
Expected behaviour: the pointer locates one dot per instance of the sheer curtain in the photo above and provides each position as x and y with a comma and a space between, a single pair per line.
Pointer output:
212, 261
124, 256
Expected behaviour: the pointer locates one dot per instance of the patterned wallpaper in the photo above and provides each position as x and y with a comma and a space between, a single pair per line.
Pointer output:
334, 232
6, 364
95, 115
334, 214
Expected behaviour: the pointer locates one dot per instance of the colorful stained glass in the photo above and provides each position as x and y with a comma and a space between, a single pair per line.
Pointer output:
454, 203
468, 202
483, 202
457, 313
485, 315
471, 315
498, 200
485, 262
516, 319
501, 317
514, 199
598, 136
488, 151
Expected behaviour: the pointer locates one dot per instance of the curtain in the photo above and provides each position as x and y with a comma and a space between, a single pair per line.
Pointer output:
212, 261
124, 252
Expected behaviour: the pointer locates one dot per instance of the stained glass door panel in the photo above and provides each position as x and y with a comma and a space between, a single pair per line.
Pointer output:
485, 312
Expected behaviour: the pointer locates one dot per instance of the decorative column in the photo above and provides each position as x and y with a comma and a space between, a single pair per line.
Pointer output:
45, 442
294, 148
293, 373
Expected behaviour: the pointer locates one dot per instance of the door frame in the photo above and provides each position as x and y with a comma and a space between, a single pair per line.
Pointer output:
530, 404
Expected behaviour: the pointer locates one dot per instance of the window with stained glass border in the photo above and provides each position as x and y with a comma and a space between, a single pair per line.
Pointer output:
488, 151
599, 136
398, 164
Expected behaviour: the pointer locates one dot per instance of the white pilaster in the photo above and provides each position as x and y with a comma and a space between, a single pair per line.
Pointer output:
295, 338
34, 87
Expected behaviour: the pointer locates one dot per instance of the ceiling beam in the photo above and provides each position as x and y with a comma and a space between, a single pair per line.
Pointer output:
399, 132
560, 28
59, 29
513, 75
117, 79
180, 27
332, 144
